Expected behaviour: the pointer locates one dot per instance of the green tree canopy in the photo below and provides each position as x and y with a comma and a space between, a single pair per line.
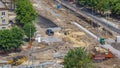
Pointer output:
103, 5
17, 33
29, 29
26, 15
77, 58
25, 12
116, 8
10, 38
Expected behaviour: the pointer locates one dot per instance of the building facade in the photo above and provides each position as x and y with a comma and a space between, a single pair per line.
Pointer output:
9, 3
3, 16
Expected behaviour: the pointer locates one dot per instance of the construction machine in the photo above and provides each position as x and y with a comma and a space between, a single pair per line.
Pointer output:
14, 61
17, 60
102, 56
102, 41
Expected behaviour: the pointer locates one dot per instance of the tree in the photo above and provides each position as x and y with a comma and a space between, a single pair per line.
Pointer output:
5, 40
25, 12
17, 35
10, 39
29, 29
116, 8
103, 5
77, 58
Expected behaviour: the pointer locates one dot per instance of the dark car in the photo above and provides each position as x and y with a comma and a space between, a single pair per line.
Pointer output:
49, 32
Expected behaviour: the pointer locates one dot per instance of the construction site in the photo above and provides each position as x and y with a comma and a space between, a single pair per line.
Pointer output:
58, 31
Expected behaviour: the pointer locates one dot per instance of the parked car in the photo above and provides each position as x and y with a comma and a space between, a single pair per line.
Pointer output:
49, 32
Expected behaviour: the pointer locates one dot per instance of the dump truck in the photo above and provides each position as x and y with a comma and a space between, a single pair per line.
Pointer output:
102, 56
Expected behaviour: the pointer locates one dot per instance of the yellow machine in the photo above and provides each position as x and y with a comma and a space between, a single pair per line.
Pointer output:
17, 60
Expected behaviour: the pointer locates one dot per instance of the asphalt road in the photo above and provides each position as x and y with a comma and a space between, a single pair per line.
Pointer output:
94, 18
45, 23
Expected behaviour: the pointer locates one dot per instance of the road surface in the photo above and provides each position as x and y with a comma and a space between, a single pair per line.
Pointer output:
45, 23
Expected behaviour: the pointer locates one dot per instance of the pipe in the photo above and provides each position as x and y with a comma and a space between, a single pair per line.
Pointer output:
85, 30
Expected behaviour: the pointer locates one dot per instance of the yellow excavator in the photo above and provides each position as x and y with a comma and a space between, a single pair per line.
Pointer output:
16, 60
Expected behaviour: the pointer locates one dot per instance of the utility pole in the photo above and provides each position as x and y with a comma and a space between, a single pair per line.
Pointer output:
30, 37
30, 44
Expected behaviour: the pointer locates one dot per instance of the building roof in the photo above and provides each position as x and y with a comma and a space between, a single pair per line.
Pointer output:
2, 6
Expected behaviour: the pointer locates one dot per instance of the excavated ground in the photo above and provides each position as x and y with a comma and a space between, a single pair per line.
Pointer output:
71, 36
63, 18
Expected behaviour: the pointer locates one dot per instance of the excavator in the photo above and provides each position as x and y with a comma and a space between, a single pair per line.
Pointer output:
15, 61
18, 59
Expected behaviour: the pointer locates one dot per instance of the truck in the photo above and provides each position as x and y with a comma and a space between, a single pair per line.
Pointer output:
102, 56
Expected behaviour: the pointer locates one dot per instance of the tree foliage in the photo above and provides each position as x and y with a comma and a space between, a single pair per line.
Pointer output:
10, 38
29, 29
115, 7
25, 11
26, 15
103, 5
77, 58
17, 33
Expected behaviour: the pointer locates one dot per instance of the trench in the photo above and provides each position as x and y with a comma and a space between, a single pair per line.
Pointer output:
45, 22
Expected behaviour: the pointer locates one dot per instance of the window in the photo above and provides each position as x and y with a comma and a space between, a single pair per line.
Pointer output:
3, 20
3, 13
